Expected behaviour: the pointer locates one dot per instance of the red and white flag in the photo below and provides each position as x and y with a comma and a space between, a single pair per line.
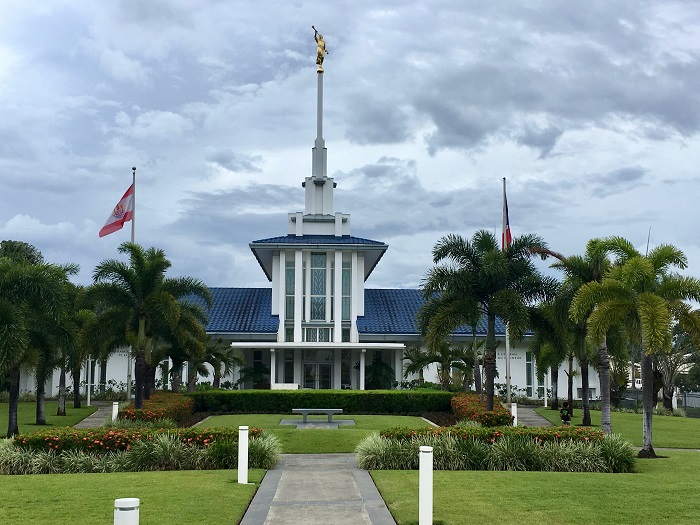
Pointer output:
506, 238
123, 212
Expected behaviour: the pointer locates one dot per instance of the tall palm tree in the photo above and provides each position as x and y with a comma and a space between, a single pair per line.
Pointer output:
31, 294
476, 273
415, 363
140, 292
642, 293
223, 359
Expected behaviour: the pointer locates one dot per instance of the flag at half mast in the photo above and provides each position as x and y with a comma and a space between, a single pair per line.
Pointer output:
506, 237
123, 212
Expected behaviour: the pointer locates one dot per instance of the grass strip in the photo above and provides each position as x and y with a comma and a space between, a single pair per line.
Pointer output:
316, 441
668, 431
192, 497
648, 497
26, 416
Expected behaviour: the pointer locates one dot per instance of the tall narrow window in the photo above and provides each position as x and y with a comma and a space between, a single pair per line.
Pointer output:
347, 285
528, 372
318, 286
289, 290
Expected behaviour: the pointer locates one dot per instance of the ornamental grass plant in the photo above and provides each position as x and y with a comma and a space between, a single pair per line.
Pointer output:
511, 452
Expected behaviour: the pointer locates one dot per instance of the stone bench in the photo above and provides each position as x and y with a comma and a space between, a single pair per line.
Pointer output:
328, 411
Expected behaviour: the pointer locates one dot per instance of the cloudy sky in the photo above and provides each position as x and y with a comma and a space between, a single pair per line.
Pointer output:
590, 110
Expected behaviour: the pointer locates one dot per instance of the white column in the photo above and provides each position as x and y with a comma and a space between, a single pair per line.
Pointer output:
337, 360
243, 455
297, 366
354, 337
298, 294
398, 366
338, 299
362, 368
329, 283
273, 367
282, 295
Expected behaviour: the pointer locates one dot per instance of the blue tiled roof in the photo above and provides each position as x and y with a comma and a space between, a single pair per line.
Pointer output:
317, 239
242, 310
393, 311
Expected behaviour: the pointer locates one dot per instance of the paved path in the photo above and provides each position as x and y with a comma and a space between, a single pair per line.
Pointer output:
529, 418
323, 489
96, 419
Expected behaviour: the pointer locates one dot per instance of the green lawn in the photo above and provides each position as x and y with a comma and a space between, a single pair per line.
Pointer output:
27, 416
662, 491
192, 497
316, 441
669, 432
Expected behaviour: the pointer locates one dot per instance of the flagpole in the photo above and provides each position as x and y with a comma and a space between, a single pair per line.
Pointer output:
504, 242
133, 223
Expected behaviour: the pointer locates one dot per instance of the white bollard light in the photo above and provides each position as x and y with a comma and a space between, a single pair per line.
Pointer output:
115, 410
126, 511
514, 412
243, 455
425, 486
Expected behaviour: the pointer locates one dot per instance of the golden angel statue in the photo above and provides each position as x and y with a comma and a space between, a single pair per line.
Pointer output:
321, 51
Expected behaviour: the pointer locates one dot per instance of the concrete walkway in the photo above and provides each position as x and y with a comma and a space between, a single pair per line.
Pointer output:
323, 489
96, 419
529, 418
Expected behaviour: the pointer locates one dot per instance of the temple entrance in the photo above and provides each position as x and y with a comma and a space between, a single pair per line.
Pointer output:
318, 375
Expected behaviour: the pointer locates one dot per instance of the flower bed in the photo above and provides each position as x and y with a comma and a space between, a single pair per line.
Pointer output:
470, 407
493, 434
100, 440
162, 405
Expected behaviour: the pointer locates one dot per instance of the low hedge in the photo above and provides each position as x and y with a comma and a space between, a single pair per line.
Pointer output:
351, 401
114, 440
492, 434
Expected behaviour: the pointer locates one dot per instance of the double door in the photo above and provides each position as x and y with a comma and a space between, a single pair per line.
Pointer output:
318, 375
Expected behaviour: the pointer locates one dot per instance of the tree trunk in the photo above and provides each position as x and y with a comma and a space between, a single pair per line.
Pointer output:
164, 374
40, 400
490, 359
62, 392
12, 426
585, 406
555, 387
75, 373
669, 392
477, 370
103, 376
604, 374
647, 403
139, 376
176, 379
191, 379
570, 385
216, 383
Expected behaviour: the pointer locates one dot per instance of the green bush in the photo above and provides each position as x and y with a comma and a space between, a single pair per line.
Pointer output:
492, 434
351, 401
513, 452
139, 423
102, 440
162, 405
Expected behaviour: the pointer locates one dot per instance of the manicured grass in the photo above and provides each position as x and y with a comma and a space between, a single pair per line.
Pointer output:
192, 497
316, 441
26, 416
668, 431
660, 492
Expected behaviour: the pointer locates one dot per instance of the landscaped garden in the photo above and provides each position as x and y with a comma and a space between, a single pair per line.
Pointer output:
26, 416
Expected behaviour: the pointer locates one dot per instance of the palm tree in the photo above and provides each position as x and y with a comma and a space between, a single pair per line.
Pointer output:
476, 274
415, 363
141, 293
31, 294
223, 359
641, 293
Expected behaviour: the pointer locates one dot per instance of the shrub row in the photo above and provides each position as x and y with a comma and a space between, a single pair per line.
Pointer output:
162, 405
513, 452
165, 451
493, 434
103, 440
468, 406
351, 401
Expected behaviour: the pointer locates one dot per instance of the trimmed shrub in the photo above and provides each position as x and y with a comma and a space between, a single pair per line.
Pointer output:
351, 401
139, 423
469, 406
490, 434
101, 440
162, 405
